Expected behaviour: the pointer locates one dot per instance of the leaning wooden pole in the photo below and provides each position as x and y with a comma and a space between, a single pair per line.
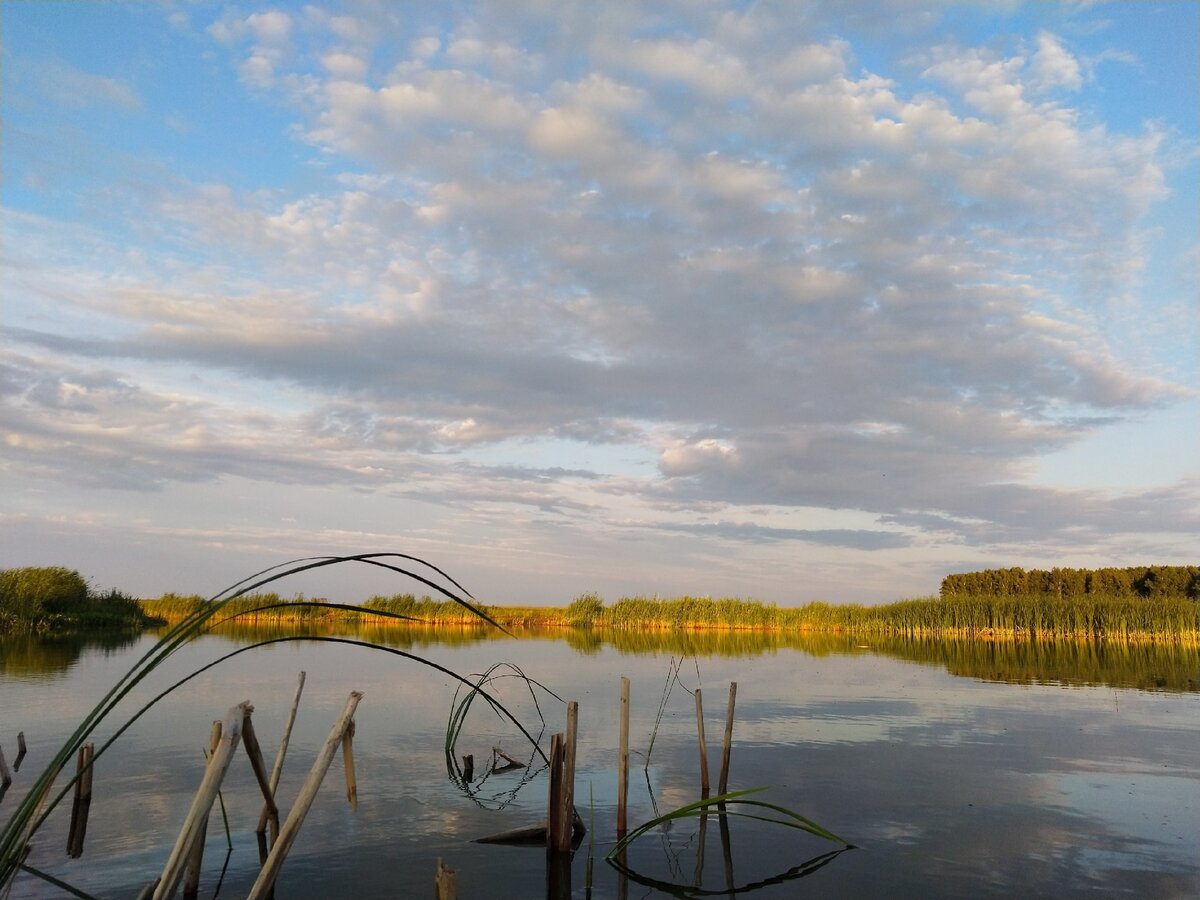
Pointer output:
191, 880
348, 766
254, 751
623, 763
5, 775
704, 787
277, 769
723, 784
83, 801
308, 793
206, 794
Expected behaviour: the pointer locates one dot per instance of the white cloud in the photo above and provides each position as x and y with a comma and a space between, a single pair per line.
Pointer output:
1052, 65
767, 274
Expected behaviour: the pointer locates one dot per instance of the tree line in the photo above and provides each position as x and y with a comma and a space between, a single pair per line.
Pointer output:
1131, 582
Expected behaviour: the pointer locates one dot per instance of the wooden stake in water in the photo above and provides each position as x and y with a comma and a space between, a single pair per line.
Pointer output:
723, 784
206, 794
191, 879
623, 763
83, 801
308, 793
561, 817
703, 746
445, 883
5, 775
277, 769
348, 764
254, 751
20, 751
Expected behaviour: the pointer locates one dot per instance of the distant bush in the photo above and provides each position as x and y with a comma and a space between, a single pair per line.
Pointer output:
585, 610
43, 598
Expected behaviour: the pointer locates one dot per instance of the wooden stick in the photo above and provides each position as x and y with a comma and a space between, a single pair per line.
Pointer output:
254, 751
214, 772
703, 746
623, 763
308, 793
277, 769
191, 879
556, 816
512, 763
5, 776
20, 751
445, 883
83, 801
562, 815
723, 784
468, 769
348, 764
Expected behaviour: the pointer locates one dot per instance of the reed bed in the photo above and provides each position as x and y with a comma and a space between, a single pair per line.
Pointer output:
1030, 616
1092, 616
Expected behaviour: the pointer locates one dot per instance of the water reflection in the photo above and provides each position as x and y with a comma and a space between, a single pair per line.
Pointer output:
953, 786
1158, 667
33, 656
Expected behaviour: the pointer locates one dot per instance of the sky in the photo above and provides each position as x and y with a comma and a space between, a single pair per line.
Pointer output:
789, 301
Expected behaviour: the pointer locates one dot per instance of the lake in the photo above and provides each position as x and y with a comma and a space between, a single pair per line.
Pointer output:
956, 768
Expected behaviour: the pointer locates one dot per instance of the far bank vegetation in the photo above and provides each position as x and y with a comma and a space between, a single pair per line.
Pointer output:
1147, 602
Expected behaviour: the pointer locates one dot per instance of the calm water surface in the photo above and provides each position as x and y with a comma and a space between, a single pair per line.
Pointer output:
957, 769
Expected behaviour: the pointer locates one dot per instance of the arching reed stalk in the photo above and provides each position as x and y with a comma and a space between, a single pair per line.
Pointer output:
30, 814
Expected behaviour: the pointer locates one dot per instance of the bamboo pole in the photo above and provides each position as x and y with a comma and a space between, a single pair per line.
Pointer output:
277, 769
308, 792
214, 772
704, 787
348, 765
445, 882
623, 763
723, 784
83, 801
191, 879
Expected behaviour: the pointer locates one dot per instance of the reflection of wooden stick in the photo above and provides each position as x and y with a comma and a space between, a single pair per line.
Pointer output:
623, 763
218, 763
703, 746
308, 793
723, 785
348, 764
191, 880
726, 848
277, 769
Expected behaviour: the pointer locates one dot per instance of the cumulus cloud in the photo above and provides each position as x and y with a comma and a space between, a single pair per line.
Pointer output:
772, 275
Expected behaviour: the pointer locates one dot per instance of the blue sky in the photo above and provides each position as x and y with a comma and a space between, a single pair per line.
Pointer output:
787, 301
